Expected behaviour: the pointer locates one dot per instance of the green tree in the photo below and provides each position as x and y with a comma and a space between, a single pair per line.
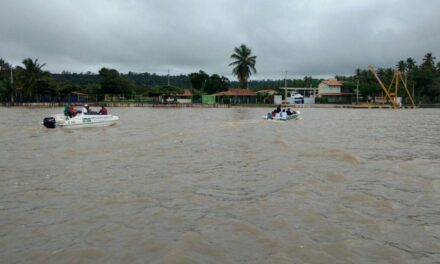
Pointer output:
5, 81
166, 91
244, 64
307, 81
410, 64
428, 61
45, 86
425, 75
389, 74
198, 79
401, 66
433, 90
115, 83
30, 75
411, 68
215, 84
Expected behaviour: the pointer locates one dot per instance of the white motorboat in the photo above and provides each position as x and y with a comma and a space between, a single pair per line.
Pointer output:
294, 116
80, 120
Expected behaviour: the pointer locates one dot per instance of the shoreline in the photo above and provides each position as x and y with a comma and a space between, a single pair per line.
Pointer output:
194, 105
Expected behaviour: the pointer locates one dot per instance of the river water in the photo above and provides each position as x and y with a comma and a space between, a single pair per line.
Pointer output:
222, 186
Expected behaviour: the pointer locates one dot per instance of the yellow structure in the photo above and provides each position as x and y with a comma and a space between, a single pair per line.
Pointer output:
393, 89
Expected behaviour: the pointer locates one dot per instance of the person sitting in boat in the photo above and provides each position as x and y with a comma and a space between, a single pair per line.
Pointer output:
292, 112
66, 110
103, 110
71, 111
289, 113
85, 109
283, 114
276, 111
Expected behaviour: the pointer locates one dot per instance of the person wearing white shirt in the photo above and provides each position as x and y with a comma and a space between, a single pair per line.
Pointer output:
283, 114
85, 109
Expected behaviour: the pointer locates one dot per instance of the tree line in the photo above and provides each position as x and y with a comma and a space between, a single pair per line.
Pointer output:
28, 81
423, 80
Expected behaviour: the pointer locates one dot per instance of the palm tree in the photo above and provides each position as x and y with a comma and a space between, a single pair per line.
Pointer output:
5, 85
30, 75
401, 66
410, 64
411, 68
428, 61
244, 64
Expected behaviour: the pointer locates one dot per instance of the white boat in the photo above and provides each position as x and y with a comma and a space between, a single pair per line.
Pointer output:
80, 120
295, 116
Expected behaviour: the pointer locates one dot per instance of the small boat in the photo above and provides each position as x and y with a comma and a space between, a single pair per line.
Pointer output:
80, 120
294, 116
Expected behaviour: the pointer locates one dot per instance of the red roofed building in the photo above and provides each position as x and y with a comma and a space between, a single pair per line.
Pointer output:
236, 92
185, 97
236, 96
331, 91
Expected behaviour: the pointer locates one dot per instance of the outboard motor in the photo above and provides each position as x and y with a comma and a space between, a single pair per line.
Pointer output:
49, 122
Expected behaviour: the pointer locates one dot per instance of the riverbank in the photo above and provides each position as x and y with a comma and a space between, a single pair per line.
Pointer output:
193, 105
221, 186
115, 104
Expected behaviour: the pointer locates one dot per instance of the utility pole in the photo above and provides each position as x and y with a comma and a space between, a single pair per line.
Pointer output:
168, 77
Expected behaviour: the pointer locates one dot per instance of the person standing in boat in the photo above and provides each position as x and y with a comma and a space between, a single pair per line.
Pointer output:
103, 110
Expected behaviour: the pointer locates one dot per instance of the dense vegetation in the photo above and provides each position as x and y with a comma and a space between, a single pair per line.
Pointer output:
423, 80
31, 82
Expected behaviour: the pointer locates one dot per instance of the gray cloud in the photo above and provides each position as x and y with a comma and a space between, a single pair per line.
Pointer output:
303, 37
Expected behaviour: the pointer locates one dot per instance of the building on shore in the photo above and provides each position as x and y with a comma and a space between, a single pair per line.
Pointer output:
236, 96
183, 98
268, 96
331, 91
299, 95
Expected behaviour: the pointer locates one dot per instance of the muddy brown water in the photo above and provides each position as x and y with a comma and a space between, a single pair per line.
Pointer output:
222, 186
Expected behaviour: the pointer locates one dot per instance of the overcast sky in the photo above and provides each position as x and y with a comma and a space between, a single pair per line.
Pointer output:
303, 37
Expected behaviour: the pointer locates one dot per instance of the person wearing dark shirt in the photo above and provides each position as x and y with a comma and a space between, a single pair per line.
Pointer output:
103, 110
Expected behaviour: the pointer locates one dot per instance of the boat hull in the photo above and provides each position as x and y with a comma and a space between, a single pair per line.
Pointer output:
80, 121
